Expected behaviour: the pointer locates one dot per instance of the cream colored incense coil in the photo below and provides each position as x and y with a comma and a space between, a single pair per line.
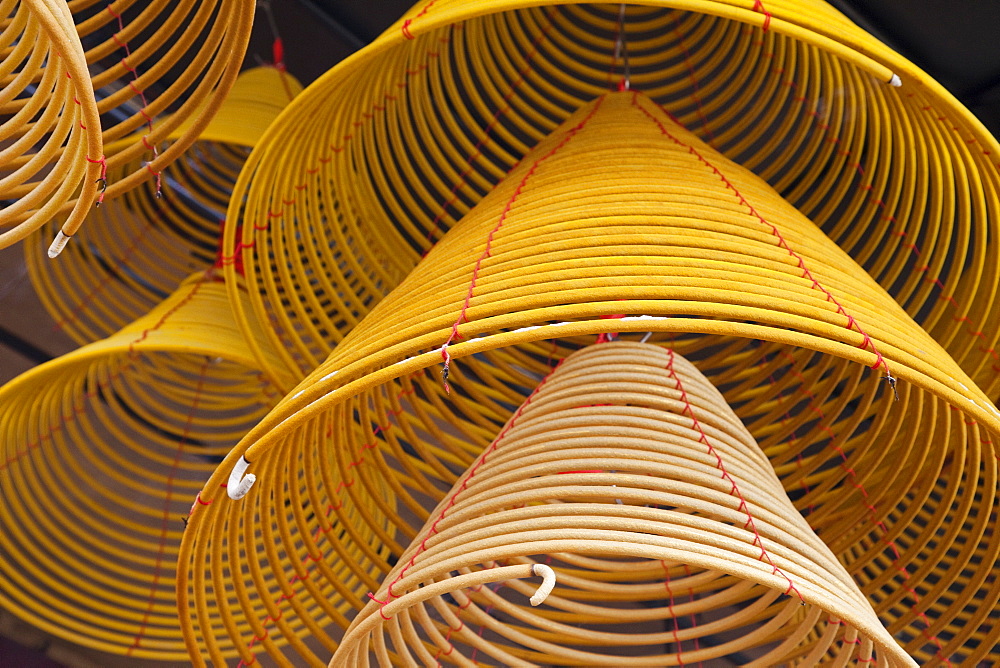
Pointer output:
649, 238
50, 130
102, 453
387, 151
631, 477
140, 247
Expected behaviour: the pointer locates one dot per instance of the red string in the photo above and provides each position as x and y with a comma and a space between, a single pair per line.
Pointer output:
734, 490
758, 6
141, 94
695, 88
487, 252
451, 630
81, 408
866, 342
406, 24
103, 178
793, 437
884, 207
167, 498
673, 615
488, 130
868, 505
402, 84
472, 472
321, 531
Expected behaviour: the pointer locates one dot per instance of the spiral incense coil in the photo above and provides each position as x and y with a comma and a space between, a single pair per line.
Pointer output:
384, 153
155, 58
50, 129
147, 60
619, 223
141, 247
103, 451
610, 472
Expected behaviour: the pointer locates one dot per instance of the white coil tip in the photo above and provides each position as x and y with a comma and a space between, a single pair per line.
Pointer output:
239, 484
58, 243
548, 583
895, 81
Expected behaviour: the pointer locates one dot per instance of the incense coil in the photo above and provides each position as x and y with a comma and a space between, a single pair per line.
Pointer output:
49, 121
150, 59
141, 247
207, 40
405, 137
610, 470
598, 231
103, 451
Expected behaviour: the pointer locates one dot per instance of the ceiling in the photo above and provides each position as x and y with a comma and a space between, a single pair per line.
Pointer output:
953, 40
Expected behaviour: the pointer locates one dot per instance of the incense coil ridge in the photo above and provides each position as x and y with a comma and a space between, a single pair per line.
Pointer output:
870, 425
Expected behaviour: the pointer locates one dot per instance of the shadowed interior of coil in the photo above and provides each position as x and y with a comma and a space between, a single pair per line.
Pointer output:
104, 452
142, 245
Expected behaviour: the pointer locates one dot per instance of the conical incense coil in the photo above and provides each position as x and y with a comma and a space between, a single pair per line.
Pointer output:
383, 154
628, 474
139, 247
149, 59
102, 452
620, 222
49, 121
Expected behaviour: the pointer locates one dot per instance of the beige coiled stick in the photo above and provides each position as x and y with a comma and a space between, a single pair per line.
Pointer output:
627, 472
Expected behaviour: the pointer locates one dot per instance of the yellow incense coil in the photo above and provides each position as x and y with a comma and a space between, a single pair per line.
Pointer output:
50, 128
141, 247
385, 152
145, 60
628, 474
620, 221
102, 452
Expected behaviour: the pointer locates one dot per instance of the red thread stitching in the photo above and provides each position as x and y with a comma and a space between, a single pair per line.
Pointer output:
734, 491
888, 216
322, 531
472, 472
866, 341
873, 511
138, 92
487, 252
673, 616
488, 130
695, 89
81, 408
326, 159
406, 24
75, 312
103, 178
167, 498
758, 6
